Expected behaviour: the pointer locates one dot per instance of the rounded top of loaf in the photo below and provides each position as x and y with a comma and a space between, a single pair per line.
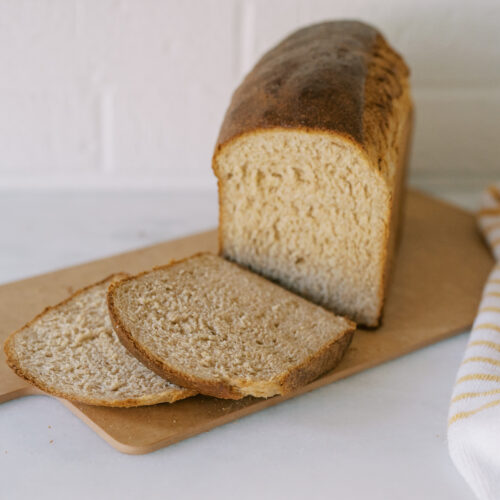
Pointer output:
338, 76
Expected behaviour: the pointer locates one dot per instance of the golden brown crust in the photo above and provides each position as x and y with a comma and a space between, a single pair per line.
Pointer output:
13, 362
387, 103
312, 368
321, 362
297, 84
338, 76
393, 231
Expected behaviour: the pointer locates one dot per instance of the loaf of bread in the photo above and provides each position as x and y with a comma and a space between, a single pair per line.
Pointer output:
207, 324
310, 163
71, 351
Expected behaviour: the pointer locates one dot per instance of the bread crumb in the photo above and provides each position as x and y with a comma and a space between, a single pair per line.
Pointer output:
215, 322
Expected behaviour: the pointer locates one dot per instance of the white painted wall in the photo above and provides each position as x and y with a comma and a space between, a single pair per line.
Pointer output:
131, 93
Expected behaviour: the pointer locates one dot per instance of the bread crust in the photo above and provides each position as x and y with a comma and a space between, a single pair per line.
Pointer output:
298, 83
320, 362
339, 78
13, 362
393, 232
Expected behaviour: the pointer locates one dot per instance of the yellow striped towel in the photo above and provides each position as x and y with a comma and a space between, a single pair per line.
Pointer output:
474, 416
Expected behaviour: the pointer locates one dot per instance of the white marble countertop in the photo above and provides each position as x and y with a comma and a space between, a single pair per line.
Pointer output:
380, 434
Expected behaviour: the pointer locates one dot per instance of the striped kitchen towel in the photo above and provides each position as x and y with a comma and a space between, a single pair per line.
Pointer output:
474, 416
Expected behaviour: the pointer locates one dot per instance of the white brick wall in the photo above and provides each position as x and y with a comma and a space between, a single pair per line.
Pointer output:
110, 93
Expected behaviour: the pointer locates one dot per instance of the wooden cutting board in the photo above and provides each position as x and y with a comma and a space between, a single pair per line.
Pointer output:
436, 286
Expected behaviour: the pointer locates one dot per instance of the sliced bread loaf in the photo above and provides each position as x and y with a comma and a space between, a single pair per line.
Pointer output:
208, 324
310, 162
71, 351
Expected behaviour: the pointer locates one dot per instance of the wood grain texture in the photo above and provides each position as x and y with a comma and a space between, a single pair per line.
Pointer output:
435, 290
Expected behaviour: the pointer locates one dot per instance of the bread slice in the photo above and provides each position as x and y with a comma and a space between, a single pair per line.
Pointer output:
208, 324
71, 351
311, 160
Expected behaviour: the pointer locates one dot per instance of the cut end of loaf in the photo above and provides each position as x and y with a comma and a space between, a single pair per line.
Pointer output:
307, 210
208, 324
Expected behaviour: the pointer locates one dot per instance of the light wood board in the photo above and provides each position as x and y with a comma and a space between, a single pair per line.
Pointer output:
436, 286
